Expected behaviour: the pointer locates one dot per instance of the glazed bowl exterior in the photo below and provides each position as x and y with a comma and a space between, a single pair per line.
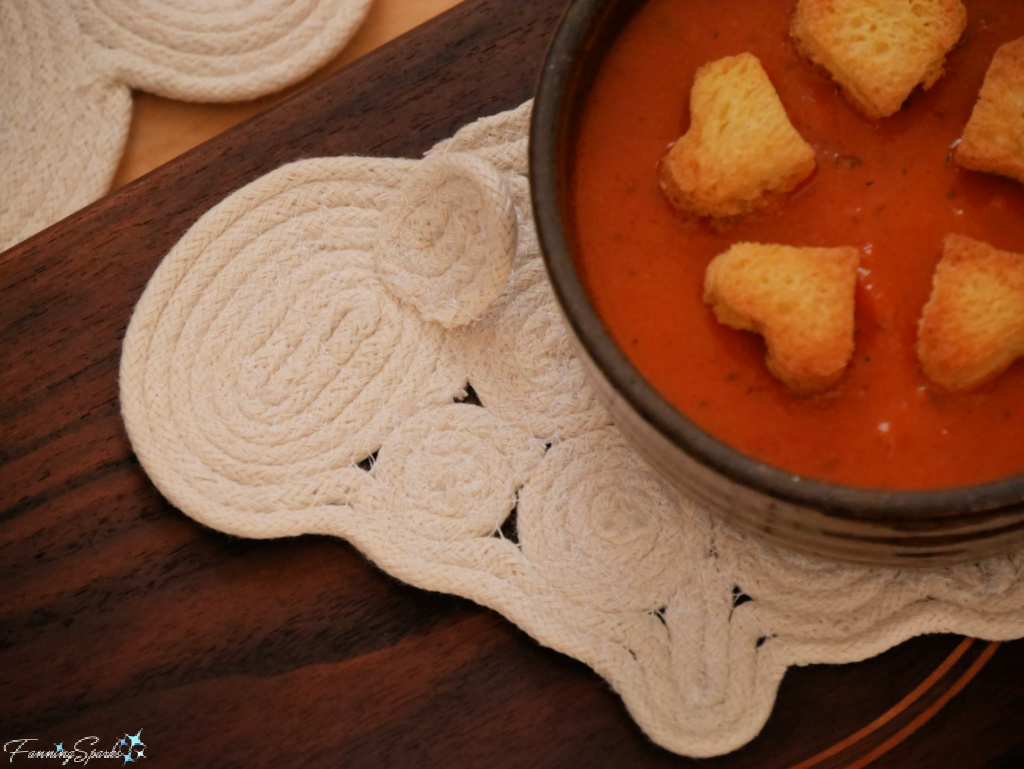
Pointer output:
865, 526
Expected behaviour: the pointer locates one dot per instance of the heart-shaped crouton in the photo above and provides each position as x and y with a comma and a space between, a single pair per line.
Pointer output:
740, 148
972, 327
993, 139
801, 300
878, 51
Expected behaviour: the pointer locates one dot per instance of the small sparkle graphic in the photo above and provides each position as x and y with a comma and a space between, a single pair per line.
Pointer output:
134, 745
59, 747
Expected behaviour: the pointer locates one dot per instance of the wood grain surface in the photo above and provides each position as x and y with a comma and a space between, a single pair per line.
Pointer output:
119, 613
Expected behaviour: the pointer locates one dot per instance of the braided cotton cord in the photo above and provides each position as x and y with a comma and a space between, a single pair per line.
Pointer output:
69, 66
227, 51
297, 364
63, 118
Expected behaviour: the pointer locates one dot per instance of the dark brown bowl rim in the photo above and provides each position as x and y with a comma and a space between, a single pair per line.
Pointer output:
859, 503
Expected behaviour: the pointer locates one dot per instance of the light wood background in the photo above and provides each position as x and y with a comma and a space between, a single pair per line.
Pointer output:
162, 129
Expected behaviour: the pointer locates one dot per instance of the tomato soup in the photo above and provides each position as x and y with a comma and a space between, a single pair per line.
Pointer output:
889, 188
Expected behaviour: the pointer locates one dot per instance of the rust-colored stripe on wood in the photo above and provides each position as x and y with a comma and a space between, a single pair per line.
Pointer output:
934, 708
892, 712
850, 752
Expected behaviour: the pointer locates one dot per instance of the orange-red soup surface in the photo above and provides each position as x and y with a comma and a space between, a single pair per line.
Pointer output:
888, 188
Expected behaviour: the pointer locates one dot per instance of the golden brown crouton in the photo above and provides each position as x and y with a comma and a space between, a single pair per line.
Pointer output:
972, 327
740, 147
993, 139
879, 50
799, 299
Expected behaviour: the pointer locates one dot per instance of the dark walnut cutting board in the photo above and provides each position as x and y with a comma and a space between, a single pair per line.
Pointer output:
118, 613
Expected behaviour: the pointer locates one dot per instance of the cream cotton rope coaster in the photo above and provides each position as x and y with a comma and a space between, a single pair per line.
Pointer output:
299, 362
69, 66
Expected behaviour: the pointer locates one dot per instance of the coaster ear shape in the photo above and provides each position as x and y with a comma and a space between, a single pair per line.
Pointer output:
69, 66
266, 358
220, 51
448, 237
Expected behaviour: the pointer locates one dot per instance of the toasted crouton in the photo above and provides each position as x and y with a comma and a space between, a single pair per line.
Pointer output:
993, 139
800, 300
740, 147
878, 51
972, 327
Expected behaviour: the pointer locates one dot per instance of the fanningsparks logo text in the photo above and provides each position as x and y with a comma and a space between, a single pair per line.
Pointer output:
128, 748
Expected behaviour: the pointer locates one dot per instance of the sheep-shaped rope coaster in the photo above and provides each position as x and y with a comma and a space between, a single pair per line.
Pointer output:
300, 363
69, 67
